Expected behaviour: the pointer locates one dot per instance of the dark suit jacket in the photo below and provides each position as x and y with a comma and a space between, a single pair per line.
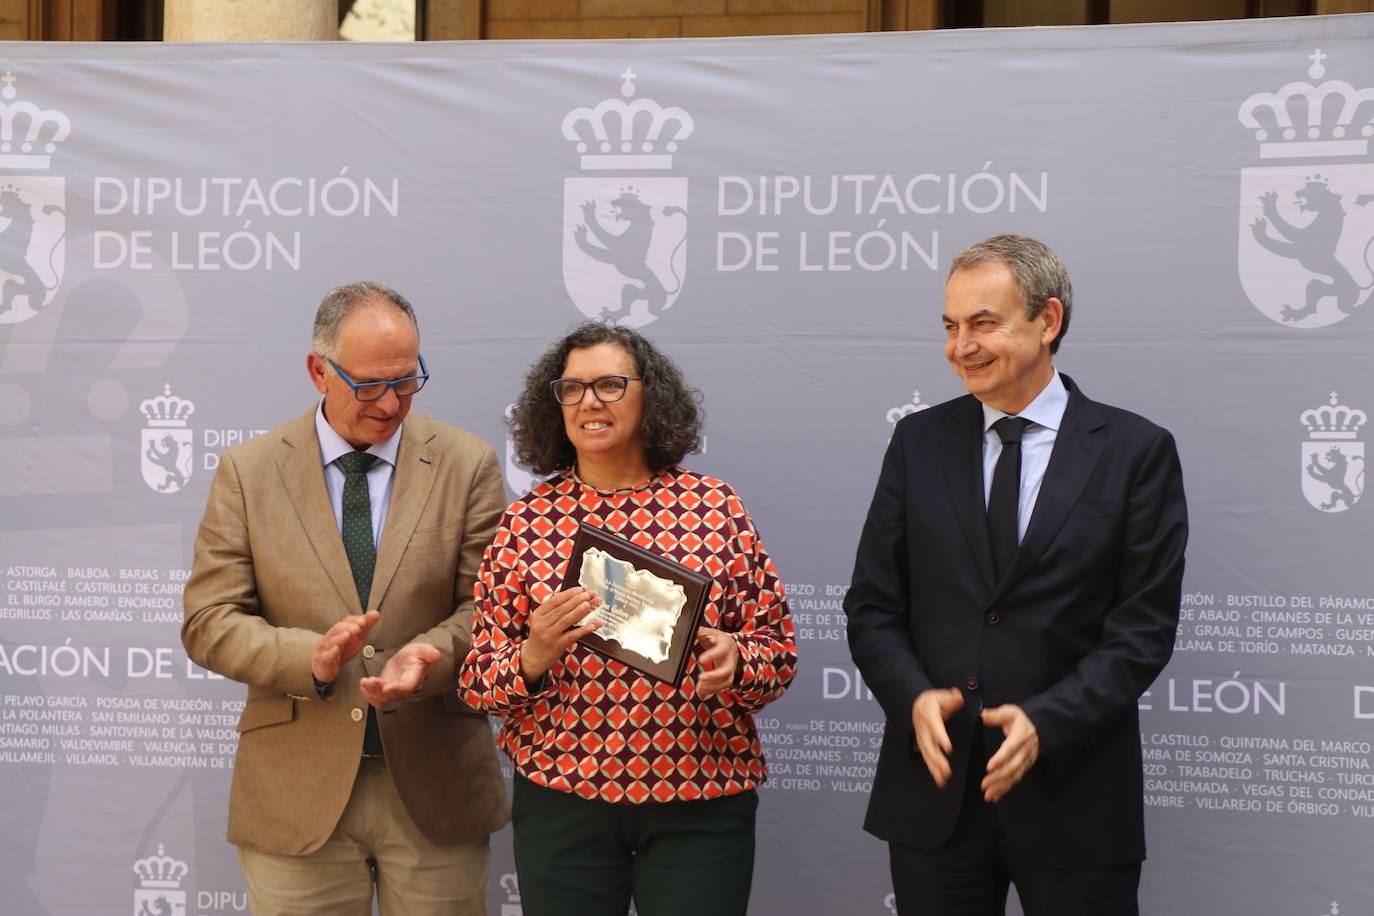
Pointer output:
271, 576
1077, 629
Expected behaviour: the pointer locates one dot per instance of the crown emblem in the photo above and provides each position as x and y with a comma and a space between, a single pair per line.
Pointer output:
629, 133
160, 871
1333, 421
167, 409
906, 410
1329, 129
28, 134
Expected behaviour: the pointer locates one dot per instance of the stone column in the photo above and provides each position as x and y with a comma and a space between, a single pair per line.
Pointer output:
251, 20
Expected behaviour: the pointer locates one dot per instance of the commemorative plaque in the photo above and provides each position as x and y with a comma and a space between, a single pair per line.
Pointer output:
651, 606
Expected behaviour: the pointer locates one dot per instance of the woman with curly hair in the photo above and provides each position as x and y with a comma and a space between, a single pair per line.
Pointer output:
625, 787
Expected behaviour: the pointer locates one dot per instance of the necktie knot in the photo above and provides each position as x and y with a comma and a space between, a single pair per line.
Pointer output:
1010, 429
352, 463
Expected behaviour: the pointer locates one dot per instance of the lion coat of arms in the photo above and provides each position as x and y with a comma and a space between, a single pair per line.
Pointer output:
33, 215
625, 236
1306, 254
167, 451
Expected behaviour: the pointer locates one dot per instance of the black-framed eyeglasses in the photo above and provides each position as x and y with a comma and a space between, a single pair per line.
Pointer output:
373, 391
608, 388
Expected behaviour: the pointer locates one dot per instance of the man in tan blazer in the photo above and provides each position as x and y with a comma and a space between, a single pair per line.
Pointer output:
357, 765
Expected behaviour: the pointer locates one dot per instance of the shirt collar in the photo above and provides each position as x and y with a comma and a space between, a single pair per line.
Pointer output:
332, 445
1046, 410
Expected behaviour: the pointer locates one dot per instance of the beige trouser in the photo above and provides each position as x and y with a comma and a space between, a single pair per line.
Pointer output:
375, 841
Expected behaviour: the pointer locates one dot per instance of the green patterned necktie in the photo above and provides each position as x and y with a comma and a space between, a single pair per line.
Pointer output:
362, 552
357, 521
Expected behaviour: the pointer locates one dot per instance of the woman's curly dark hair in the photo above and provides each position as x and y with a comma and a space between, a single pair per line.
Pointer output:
671, 425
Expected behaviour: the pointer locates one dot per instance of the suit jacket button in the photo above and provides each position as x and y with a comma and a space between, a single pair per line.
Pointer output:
368, 651
357, 714
993, 618
971, 683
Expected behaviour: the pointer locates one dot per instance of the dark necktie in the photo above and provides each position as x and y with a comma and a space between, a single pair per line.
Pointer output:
358, 542
1006, 493
356, 524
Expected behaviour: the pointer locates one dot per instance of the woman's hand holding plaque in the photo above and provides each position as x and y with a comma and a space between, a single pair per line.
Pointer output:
553, 627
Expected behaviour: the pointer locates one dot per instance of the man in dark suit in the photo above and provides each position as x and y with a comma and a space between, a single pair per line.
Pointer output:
333, 575
1016, 590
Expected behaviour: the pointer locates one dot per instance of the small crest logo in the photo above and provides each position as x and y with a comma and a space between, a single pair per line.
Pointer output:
905, 410
625, 237
33, 214
159, 890
1306, 229
510, 886
1332, 459
168, 454
518, 477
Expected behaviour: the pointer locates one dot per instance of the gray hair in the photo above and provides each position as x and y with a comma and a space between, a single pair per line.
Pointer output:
342, 301
1039, 273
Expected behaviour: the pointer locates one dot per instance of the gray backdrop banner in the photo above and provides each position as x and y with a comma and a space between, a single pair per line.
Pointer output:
778, 213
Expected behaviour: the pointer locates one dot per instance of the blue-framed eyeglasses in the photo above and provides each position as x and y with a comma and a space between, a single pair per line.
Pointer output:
372, 391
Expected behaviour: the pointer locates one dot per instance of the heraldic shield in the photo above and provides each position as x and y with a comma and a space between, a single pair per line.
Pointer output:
33, 228
168, 456
159, 903
1306, 255
1332, 474
624, 246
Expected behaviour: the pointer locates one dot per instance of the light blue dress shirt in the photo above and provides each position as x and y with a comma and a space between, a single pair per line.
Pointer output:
379, 476
1046, 413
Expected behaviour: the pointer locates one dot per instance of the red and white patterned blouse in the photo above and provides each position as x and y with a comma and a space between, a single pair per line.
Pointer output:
598, 728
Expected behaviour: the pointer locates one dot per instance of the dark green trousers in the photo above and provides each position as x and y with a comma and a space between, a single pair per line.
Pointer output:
578, 857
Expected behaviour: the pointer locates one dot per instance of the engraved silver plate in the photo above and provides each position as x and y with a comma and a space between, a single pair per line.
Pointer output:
640, 610
651, 606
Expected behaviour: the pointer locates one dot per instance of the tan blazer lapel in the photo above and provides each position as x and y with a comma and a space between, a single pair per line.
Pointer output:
416, 467
302, 474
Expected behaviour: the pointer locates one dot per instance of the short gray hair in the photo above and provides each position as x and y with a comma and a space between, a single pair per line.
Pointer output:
342, 301
1039, 273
